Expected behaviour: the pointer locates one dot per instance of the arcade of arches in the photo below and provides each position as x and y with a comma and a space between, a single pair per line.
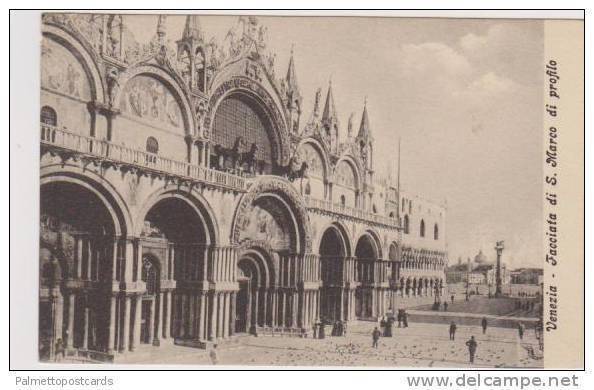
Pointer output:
105, 291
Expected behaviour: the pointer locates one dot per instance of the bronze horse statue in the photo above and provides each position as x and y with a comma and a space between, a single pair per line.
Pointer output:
249, 158
291, 172
229, 154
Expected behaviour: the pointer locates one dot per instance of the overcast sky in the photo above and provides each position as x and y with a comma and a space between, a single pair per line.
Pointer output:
464, 95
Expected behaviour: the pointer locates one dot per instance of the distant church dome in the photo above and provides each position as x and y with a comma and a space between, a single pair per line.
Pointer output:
480, 258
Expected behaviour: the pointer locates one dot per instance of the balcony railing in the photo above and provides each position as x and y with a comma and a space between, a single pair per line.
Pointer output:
326, 205
61, 138
100, 148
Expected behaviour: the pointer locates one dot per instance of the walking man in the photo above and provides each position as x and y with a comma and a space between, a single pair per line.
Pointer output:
376, 335
452, 298
484, 324
405, 319
471, 344
452, 330
445, 305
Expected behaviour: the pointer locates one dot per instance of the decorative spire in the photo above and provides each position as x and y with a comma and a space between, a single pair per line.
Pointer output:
329, 113
364, 129
291, 78
292, 94
192, 29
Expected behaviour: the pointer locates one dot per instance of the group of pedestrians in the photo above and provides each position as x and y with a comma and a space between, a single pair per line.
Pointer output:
472, 344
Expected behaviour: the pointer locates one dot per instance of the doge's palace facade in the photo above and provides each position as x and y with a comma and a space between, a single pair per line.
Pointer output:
186, 198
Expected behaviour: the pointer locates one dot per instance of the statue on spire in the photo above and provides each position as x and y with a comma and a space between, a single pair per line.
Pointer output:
161, 29
350, 126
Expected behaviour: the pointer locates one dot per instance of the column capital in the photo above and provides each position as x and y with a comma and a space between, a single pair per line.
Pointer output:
106, 110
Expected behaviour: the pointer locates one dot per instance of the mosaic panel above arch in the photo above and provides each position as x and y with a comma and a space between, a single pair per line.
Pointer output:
149, 99
345, 175
315, 165
62, 72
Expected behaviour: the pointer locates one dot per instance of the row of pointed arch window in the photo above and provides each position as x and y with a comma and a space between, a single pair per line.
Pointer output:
421, 228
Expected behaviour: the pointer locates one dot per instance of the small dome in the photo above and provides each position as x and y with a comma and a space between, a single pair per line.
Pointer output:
480, 258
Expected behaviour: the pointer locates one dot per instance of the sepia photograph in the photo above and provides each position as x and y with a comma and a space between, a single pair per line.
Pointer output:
307, 191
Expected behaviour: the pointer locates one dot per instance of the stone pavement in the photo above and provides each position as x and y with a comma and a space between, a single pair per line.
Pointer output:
420, 345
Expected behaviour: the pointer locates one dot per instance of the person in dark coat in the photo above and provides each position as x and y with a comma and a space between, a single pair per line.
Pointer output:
445, 306
322, 330
452, 330
60, 351
452, 298
405, 319
521, 330
471, 344
399, 317
375, 335
388, 327
214, 357
484, 324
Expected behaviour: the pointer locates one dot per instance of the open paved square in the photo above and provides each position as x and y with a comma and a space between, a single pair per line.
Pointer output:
420, 345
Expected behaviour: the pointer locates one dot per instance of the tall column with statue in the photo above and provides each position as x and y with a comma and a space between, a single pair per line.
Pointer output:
499, 250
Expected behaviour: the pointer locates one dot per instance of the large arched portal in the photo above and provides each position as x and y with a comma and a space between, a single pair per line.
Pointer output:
174, 242
272, 232
333, 252
77, 235
366, 254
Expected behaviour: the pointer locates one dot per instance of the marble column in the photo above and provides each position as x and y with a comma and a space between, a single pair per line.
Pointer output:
184, 331
226, 314
220, 313
71, 305
137, 320
112, 325
85, 341
114, 261
125, 336
283, 308
264, 306
191, 315
249, 309
305, 323
79, 256
166, 314
158, 319
212, 334
201, 319
256, 307
232, 313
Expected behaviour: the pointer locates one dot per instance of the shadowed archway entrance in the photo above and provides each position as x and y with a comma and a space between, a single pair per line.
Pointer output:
174, 243
334, 300
366, 255
78, 239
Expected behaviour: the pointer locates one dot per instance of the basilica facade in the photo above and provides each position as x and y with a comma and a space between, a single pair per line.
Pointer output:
187, 196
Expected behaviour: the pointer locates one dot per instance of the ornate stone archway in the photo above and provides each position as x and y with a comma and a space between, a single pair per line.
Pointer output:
285, 193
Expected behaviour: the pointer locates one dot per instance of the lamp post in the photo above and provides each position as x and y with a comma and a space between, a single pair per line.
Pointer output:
499, 250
